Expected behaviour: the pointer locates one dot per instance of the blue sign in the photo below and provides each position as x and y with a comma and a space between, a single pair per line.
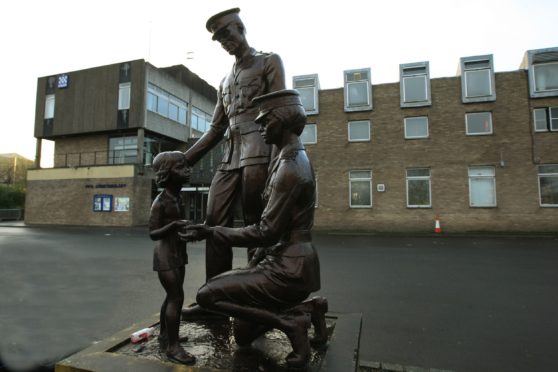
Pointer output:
102, 203
63, 81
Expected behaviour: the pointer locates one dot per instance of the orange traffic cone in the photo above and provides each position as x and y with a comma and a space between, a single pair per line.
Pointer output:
437, 227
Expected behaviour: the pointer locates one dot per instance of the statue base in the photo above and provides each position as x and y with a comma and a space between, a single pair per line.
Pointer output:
212, 343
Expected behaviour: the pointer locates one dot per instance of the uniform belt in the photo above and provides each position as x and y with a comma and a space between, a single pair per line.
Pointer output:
243, 117
297, 236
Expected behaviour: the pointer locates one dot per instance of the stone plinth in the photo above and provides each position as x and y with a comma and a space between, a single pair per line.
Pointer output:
212, 342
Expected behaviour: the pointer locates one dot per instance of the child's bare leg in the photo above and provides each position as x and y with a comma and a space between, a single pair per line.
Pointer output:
172, 281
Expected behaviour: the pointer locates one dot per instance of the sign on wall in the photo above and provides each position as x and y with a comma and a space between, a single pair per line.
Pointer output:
122, 204
102, 203
63, 81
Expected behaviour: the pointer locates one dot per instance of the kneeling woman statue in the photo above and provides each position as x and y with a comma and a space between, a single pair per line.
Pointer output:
269, 292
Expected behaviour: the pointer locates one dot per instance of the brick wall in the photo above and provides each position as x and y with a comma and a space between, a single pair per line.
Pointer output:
70, 201
84, 150
448, 152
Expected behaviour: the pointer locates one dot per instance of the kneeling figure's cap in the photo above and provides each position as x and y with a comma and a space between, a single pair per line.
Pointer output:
280, 98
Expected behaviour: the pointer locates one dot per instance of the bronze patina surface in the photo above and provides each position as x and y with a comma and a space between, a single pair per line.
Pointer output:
211, 342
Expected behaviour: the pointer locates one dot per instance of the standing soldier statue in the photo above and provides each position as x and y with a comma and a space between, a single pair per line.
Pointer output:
244, 167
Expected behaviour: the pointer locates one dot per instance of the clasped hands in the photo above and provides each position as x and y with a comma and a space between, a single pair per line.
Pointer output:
192, 233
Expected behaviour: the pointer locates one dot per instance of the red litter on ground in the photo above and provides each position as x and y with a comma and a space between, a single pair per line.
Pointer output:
142, 334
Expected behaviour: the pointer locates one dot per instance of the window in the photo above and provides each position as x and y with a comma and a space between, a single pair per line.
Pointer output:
359, 131
200, 119
418, 188
548, 185
309, 135
546, 77
151, 101
182, 115
358, 90
308, 87
165, 104
482, 187
173, 111
542, 66
415, 84
124, 96
49, 106
123, 150
360, 189
545, 119
477, 79
416, 127
478, 123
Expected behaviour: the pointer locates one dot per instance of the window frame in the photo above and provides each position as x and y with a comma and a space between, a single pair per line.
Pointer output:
349, 130
315, 138
492, 177
549, 119
545, 174
411, 70
124, 96
152, 101
163, 101
123, 150
200, 117
465, 67
553, 119
368, 81
419, 178
416, 137
468, 133
315, 91
535, 66
536, 58
50, 106
360, 179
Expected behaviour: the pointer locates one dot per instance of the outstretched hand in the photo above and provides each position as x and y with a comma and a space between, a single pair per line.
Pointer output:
195, 232
181, 224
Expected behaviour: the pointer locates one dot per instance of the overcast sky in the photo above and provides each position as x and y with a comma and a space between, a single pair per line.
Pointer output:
41, 38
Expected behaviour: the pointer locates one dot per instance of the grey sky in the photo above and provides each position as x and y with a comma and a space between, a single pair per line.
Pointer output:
49, 37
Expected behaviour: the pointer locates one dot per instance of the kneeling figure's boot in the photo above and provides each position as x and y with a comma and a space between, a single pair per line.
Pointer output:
319, 309
296, 329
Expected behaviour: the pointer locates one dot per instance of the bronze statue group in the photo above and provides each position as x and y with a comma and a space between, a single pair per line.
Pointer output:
266, 167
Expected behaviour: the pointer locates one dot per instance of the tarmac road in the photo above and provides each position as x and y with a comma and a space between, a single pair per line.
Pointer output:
464, 303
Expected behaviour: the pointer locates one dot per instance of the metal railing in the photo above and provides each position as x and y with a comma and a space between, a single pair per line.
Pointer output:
84, 159
201, 173
14, 214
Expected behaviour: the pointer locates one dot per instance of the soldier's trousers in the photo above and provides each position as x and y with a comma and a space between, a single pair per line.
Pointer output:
246, 183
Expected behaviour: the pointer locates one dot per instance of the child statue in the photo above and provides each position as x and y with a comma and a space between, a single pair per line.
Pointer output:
165, 222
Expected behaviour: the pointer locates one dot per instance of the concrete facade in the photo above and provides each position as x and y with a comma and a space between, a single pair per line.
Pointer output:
106, 136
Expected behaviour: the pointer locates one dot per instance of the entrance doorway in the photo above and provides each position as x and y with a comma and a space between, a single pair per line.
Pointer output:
196, 205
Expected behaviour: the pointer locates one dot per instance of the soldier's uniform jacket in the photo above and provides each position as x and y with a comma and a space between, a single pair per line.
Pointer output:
257, 73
